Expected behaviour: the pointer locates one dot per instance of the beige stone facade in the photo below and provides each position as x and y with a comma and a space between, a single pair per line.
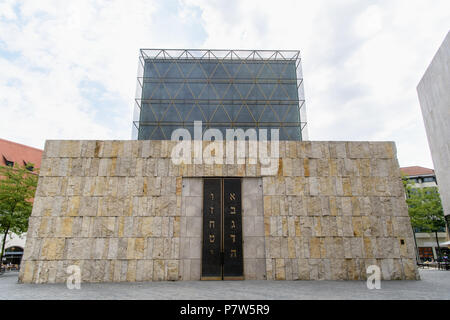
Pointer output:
122, 211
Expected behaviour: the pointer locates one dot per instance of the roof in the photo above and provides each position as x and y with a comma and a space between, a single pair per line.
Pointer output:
220, 54
417, 171
19, 154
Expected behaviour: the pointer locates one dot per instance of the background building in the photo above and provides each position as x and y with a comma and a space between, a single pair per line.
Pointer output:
426, 242
222, 88
12, 153
434, 96
422, 177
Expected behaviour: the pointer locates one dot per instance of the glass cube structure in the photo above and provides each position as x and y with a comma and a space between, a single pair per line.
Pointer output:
222, 88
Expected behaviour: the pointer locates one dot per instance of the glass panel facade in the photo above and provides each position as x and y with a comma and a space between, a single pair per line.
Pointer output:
223, 89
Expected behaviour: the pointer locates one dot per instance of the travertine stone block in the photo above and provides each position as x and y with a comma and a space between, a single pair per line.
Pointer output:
69, 149
51, 149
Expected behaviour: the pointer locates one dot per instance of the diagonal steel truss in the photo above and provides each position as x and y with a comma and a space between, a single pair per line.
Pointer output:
238, 89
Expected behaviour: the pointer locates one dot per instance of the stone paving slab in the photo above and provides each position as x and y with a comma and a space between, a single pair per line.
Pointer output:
434, 285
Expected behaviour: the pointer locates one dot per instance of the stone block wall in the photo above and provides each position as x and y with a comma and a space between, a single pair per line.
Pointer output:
191, 228
122, 211
334, 209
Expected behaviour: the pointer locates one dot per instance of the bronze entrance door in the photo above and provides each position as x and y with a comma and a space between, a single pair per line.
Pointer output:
222, 257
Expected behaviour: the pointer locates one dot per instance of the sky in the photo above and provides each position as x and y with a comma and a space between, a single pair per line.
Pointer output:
68, 68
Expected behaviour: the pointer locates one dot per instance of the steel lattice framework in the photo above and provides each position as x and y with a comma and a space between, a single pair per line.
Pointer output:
222, 88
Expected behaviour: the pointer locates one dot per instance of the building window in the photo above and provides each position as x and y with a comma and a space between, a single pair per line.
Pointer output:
13, 256
29, 167
8, 163
429, 179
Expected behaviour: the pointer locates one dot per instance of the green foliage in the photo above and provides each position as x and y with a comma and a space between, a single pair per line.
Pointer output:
17, 189
424, 207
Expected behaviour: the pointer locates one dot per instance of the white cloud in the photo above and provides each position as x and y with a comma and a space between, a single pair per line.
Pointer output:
57, 48
369, 22
361, 60
6, 10
68, 68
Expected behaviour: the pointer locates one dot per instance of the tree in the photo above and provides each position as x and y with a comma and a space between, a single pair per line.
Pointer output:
424, 208
17, 189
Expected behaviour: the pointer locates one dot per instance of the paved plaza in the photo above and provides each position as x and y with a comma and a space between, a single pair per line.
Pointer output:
434, 285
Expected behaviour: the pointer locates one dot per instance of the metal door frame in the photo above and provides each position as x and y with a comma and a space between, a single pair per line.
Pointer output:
222, 231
